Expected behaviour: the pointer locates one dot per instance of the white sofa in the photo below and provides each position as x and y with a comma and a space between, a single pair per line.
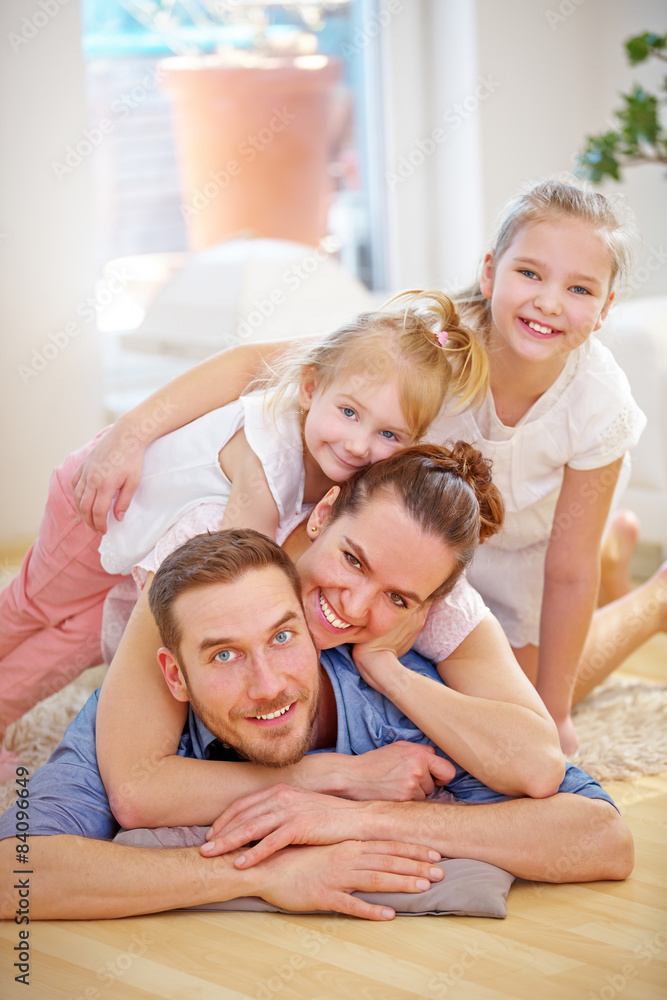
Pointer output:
636, 332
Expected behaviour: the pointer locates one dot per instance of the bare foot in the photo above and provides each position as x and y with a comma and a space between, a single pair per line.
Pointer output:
617, 551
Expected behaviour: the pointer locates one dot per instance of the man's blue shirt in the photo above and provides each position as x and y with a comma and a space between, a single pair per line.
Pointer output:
67, 795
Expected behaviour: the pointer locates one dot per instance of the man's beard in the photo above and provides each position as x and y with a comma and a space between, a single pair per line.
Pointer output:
273, 747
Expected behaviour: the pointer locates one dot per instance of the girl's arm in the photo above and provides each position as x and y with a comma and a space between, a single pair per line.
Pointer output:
571, 582
114, 465
488, 717
139, 725
251, 503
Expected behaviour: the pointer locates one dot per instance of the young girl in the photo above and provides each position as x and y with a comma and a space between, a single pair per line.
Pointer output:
557, 422
370, 388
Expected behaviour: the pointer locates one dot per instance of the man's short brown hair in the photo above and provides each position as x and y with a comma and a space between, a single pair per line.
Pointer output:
220, 557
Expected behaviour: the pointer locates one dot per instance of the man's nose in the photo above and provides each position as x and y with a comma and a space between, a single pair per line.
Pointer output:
264, 681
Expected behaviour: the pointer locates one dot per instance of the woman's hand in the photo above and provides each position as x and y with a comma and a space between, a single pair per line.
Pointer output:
112, 467
377, 661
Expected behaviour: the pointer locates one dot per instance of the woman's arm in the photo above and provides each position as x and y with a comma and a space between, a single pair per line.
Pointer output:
139, 725
571, 583
488, 717
114, 465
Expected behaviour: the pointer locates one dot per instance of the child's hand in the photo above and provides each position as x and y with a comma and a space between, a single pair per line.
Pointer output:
567, 734
113, 466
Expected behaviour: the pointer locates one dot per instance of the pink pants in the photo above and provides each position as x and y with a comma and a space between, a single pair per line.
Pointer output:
51, 613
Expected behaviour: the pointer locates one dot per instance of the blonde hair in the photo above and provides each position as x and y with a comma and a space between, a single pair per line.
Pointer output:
555, 198
396, 342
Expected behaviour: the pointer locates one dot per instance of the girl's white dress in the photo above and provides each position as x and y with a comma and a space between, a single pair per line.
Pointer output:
586, 420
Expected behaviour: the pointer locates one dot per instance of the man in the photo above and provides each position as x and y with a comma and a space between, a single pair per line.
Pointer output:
238, 649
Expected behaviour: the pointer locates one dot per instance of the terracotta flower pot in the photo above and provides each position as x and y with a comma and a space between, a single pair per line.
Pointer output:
253, 135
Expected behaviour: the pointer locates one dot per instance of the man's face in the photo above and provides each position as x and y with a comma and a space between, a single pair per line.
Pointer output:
250, 667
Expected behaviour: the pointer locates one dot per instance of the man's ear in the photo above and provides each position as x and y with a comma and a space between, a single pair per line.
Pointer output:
172, 674
605, 309
320, 513
486, 277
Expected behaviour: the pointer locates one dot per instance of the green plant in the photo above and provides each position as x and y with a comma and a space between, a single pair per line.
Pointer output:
640, 136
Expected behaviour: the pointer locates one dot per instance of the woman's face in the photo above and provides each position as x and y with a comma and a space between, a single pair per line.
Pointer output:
362, 574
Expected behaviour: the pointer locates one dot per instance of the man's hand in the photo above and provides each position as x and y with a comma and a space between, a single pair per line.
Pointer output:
113, 466
284, 815
398, 772
323, 878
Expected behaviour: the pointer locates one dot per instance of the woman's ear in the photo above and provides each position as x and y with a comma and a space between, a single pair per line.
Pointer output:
320, 513
172, 674
605, 309
486, 277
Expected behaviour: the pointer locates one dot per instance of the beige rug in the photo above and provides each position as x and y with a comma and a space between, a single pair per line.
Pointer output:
622, 727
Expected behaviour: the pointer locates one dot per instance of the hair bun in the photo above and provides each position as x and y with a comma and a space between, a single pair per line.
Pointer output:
476, 471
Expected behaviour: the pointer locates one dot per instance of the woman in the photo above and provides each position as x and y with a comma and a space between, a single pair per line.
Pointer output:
373, 556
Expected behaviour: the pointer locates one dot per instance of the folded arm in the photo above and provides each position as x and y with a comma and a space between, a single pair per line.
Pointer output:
114, 465
139, 725
486, 716
81, 879
564, 838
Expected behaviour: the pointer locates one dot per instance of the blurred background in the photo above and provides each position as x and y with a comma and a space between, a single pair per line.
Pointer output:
177, 177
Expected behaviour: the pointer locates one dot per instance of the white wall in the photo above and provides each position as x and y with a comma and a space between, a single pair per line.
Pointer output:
561, 65
515, 86
50, 401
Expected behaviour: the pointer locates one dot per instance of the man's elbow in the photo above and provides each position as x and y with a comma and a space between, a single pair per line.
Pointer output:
132, 807
617, 856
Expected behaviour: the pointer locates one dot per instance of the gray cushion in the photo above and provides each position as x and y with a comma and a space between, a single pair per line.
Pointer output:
469, 888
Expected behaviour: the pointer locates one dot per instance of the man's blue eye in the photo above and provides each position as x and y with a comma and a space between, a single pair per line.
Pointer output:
223, 655
283, 637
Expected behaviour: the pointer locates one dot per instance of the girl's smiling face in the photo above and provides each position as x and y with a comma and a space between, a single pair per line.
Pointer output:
352, 423
549, 290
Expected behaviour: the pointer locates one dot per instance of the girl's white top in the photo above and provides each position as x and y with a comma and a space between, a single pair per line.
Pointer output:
181, 471
586, 419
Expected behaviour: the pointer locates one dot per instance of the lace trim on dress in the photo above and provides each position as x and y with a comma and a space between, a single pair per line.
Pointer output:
620, 431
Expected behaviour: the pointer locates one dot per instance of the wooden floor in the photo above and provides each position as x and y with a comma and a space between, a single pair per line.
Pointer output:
594, 941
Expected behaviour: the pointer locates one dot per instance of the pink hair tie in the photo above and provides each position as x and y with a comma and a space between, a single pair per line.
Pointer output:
442, 337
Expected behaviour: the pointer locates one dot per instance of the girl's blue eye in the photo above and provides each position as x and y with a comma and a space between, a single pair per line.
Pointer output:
347, 411
579, 289
283, 637
389, 435
527, 273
